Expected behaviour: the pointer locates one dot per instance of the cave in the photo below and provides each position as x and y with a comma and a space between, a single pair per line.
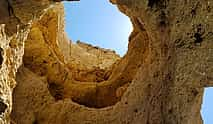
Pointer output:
76, 15
161, 79
91, 83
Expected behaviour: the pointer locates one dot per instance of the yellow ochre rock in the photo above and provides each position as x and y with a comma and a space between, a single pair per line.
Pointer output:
45, 78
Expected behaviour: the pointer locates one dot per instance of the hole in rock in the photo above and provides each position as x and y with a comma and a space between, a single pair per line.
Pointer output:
207, 108
198, 38
101, 24
3, 107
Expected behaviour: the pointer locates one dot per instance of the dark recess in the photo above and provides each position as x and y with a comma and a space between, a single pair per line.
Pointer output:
136, 110
208, 9
3, 107
1, 56
159, 4
193, 12
170, 111
163, 19
35, 122
56, 91
10, 8
151, 3
198, 38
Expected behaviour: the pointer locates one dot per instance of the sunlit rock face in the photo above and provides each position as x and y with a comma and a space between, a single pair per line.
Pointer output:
11, 52
160, 80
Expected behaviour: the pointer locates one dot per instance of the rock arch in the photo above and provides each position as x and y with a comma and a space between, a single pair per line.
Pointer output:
166, 65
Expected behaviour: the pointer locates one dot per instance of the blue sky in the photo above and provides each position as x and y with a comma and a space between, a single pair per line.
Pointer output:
207, 107
100, 23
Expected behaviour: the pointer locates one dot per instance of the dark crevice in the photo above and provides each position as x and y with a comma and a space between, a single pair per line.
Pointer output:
199, 31
1, 57
170, 111
195, 92
193, 12
159, 4
56, 91
10, 8
3, 107
163, 19
136, 110
35, 121
198, 38
208, 9
151, 3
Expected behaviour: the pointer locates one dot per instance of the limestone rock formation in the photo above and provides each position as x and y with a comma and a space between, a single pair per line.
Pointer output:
11, 52
160, 80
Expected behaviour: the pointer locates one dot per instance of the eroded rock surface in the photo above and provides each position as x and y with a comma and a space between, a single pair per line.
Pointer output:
160, 80
11, 52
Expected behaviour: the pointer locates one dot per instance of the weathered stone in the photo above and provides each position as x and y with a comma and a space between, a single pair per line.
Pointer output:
160, 80
11, 52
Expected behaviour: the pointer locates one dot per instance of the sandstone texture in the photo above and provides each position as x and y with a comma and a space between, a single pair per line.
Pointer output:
11, 52
45, 78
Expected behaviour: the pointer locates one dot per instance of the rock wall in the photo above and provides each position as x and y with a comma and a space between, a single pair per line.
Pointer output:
11, 52
160, 80
14, 29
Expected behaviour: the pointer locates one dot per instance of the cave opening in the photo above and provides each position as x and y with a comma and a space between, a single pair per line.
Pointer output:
207, 109
98, 23
101, 24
